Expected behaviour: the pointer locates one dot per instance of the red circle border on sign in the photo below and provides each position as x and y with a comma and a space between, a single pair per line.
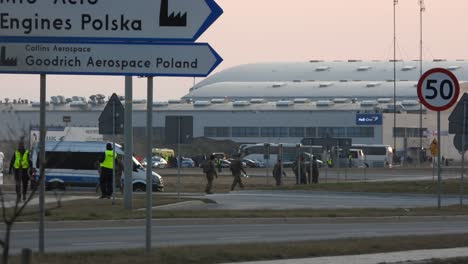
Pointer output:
455, 81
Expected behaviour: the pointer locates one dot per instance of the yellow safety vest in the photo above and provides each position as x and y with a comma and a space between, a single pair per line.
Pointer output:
108, 160
21, 161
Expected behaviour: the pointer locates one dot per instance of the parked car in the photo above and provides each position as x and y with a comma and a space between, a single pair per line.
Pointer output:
187, 163
156, 162
219, 155
251, 163
244, 164
225, 163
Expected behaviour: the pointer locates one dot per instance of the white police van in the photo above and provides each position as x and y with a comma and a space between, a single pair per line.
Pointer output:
75, 164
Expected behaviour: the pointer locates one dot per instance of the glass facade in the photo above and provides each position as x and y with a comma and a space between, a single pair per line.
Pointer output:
299, 132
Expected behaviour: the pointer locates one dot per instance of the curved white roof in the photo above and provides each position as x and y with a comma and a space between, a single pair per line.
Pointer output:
311, 90
332, 71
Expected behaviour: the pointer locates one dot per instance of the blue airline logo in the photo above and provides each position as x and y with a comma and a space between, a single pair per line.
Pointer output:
368, 119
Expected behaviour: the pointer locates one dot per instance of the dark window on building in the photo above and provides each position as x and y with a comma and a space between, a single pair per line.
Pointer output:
415, 132
274, 132
179, 129
362, 132
408, 132
311, 132
217, 132
399, 132
331, 131
296, 132
245, 132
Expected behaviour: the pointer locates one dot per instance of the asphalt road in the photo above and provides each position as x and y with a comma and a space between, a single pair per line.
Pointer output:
122, 235
245, 200
334, 174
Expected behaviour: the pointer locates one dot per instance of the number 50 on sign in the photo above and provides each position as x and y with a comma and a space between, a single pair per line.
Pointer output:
438, 89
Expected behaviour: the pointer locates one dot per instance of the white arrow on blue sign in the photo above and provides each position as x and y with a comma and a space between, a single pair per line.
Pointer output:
123, 20
108, 58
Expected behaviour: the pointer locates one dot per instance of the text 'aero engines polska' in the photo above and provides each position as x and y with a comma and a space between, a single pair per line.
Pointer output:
155, 20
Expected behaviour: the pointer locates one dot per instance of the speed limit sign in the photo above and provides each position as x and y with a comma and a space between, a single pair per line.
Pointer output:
438, 89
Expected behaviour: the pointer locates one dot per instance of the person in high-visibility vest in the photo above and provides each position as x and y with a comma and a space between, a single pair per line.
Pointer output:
107, 164
21, 164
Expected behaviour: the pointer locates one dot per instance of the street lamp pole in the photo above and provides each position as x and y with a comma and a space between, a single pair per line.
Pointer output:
395, 2
422, 8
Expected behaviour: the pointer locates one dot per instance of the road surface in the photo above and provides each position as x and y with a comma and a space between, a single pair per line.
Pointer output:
92, 236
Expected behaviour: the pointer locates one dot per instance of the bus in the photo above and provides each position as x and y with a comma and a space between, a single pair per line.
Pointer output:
377, 156
257, 152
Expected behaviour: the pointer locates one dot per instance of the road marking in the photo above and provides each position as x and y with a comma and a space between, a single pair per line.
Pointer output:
98, 243
237, 238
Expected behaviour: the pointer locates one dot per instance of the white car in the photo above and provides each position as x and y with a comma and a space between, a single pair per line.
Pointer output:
156, 162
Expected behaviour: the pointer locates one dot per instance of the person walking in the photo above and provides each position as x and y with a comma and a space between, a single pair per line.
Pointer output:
210, 170
315, 170
329, 162
236, 169
107, 164
300, 171
219, 165
278, 173
21, 164
350, 160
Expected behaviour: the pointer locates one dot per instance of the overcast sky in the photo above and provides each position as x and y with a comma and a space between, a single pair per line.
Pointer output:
253, 31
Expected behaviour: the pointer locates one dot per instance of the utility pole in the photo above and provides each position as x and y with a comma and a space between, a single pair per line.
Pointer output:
422, 8
395, 2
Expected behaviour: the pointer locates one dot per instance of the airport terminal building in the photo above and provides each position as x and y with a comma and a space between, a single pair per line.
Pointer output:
276, 103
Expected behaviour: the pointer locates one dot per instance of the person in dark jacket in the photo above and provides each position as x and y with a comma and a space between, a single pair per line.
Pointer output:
236, 169
22, 165
300, 179
210, 170
278, 173
315, 170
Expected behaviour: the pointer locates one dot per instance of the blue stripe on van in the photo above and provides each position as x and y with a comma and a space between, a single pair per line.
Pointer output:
74, 179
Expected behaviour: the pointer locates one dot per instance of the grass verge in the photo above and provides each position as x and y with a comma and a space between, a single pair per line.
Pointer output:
103, 210
258, 251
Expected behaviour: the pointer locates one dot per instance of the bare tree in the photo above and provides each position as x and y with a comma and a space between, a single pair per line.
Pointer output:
11, 212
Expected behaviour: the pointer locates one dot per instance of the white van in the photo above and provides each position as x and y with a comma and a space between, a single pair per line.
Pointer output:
358, 159
376, 155
75, 164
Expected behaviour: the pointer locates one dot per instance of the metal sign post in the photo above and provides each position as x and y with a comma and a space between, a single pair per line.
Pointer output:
128, 147
178, 158
439, 176
42, 137
327, 157
266, 156
462, 182
280, 157
113, 152
149, 171
438, 90
298, 176
310, 165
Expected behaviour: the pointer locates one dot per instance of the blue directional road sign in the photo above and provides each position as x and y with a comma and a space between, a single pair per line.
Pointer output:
124, 20
109, 58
